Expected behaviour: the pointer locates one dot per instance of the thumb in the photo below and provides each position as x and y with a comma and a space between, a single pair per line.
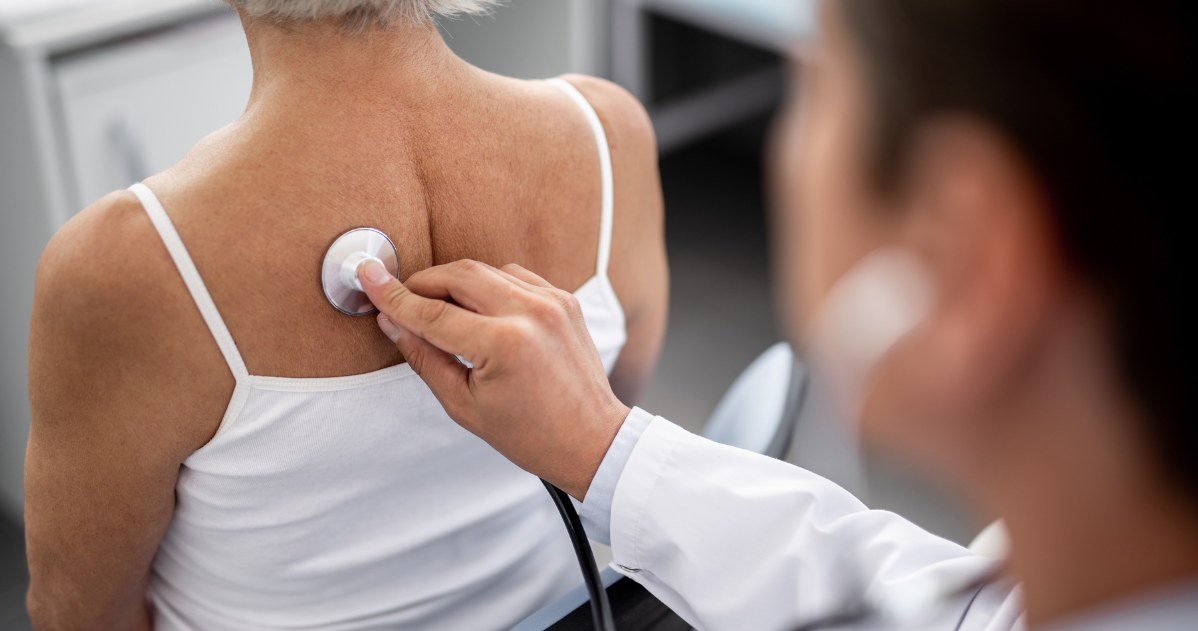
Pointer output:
383, 289
442, 372
435, 321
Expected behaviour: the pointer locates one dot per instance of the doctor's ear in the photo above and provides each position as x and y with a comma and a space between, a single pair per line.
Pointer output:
972, 211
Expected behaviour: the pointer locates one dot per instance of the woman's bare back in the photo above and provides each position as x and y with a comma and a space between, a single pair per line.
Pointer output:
507, 175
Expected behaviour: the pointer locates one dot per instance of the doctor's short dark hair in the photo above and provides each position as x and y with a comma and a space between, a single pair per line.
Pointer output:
1100, 99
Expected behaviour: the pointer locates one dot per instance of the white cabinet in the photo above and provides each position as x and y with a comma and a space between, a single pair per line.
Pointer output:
134, 108
777, 25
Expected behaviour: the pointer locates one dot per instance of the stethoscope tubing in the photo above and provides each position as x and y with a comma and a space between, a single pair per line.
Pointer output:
601, 613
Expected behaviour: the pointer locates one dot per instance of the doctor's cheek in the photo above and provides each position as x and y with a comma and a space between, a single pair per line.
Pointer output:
791, 256
818, 226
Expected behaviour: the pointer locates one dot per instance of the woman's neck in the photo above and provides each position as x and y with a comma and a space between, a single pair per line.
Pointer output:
315, 69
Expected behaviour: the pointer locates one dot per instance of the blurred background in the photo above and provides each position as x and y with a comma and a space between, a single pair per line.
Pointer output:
97, 94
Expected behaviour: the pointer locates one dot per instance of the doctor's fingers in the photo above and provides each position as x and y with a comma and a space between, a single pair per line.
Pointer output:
560, 300
471, 284
443, 373
448, 327
524, 275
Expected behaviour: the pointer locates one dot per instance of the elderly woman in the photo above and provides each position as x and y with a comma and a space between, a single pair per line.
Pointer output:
215, 447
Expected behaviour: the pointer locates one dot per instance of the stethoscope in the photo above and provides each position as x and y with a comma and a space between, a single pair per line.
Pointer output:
339, 271
908, 610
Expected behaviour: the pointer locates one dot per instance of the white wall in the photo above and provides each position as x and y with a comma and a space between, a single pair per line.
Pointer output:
535, 39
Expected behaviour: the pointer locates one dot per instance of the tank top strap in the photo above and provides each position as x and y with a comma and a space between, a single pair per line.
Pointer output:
191, 277
607, 209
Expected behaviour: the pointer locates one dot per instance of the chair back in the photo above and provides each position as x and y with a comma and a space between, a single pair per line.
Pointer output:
760, 410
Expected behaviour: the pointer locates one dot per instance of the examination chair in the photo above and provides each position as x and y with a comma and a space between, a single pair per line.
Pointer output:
758, 413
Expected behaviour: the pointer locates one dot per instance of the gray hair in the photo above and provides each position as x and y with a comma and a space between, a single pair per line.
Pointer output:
362, 12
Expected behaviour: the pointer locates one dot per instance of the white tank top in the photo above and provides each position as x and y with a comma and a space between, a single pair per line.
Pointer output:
355, 502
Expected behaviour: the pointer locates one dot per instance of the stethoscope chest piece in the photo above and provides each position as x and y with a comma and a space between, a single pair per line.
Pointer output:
339, 272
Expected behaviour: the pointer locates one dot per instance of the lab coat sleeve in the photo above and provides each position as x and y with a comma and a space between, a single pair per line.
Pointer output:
729, 539
595, 511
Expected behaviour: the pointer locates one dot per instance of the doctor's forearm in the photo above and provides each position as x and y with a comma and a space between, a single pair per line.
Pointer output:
792, 545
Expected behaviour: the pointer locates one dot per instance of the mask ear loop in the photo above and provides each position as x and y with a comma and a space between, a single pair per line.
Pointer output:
874, 305
870, 308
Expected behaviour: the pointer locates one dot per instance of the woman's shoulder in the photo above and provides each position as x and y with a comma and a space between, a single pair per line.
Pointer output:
632, 142
112, 245
627, 123
633, 145
110, 304
110, 261
93, 256
106, 274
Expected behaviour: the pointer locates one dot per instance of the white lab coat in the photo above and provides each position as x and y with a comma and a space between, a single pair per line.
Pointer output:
733, 540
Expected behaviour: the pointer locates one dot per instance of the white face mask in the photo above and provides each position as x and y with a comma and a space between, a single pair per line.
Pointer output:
873, 306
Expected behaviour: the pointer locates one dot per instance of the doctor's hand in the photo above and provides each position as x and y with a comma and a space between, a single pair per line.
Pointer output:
537, 391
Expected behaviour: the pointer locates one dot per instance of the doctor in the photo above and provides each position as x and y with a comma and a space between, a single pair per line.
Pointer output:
981, 209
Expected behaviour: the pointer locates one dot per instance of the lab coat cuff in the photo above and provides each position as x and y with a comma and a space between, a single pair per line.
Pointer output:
595, 510
651, 460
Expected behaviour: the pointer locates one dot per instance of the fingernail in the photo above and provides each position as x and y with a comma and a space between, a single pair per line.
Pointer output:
389, 329
374, 273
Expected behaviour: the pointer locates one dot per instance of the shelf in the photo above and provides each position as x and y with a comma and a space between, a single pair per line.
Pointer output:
776, 25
